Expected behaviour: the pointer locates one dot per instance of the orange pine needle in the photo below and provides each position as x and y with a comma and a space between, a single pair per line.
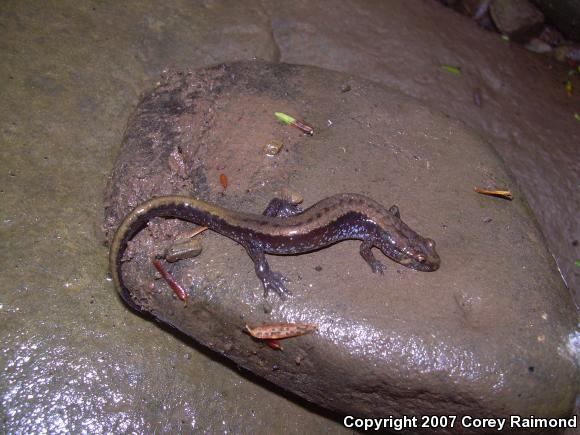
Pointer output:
274, 344
195, 232
175, 286
280, 331
505, 194
224, 181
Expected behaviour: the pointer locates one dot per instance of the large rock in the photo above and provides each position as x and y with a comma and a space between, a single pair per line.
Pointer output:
519, 19
490, 333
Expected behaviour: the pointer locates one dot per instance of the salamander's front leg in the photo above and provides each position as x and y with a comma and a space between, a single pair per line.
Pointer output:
281, 208
367, 254
272, 281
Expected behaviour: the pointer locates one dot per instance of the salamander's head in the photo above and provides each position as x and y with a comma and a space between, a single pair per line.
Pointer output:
407, 247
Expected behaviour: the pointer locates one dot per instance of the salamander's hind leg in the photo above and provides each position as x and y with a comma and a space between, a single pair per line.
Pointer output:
272, 281
367, 254
281, 208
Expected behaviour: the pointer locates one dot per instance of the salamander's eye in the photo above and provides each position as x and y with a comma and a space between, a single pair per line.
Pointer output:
420, 258
431, 243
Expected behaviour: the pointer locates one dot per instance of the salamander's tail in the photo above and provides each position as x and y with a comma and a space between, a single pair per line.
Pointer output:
189, 209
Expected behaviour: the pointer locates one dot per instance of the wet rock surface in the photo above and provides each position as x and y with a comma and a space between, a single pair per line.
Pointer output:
487, 334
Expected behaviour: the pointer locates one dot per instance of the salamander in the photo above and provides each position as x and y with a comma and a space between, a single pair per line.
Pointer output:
285, 229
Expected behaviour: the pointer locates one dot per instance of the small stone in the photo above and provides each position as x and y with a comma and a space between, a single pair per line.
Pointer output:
176, 162
567, 53
518, 19
182, 249
273, 147
292, 196
538, 46
560, 53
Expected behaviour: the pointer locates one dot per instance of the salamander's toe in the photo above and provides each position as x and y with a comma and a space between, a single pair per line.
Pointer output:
378, 267
275, 282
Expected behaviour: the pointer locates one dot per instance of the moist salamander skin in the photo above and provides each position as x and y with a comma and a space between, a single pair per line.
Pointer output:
284, 229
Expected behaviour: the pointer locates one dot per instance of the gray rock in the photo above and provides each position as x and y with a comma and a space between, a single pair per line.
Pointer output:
564, 14
538, 46
490, 333
518, 19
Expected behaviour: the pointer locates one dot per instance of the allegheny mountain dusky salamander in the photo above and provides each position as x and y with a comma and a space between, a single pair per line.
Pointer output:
284, 229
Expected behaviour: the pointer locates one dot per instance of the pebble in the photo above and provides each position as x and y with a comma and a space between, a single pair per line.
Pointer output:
273, 147
538, 46
290, 195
